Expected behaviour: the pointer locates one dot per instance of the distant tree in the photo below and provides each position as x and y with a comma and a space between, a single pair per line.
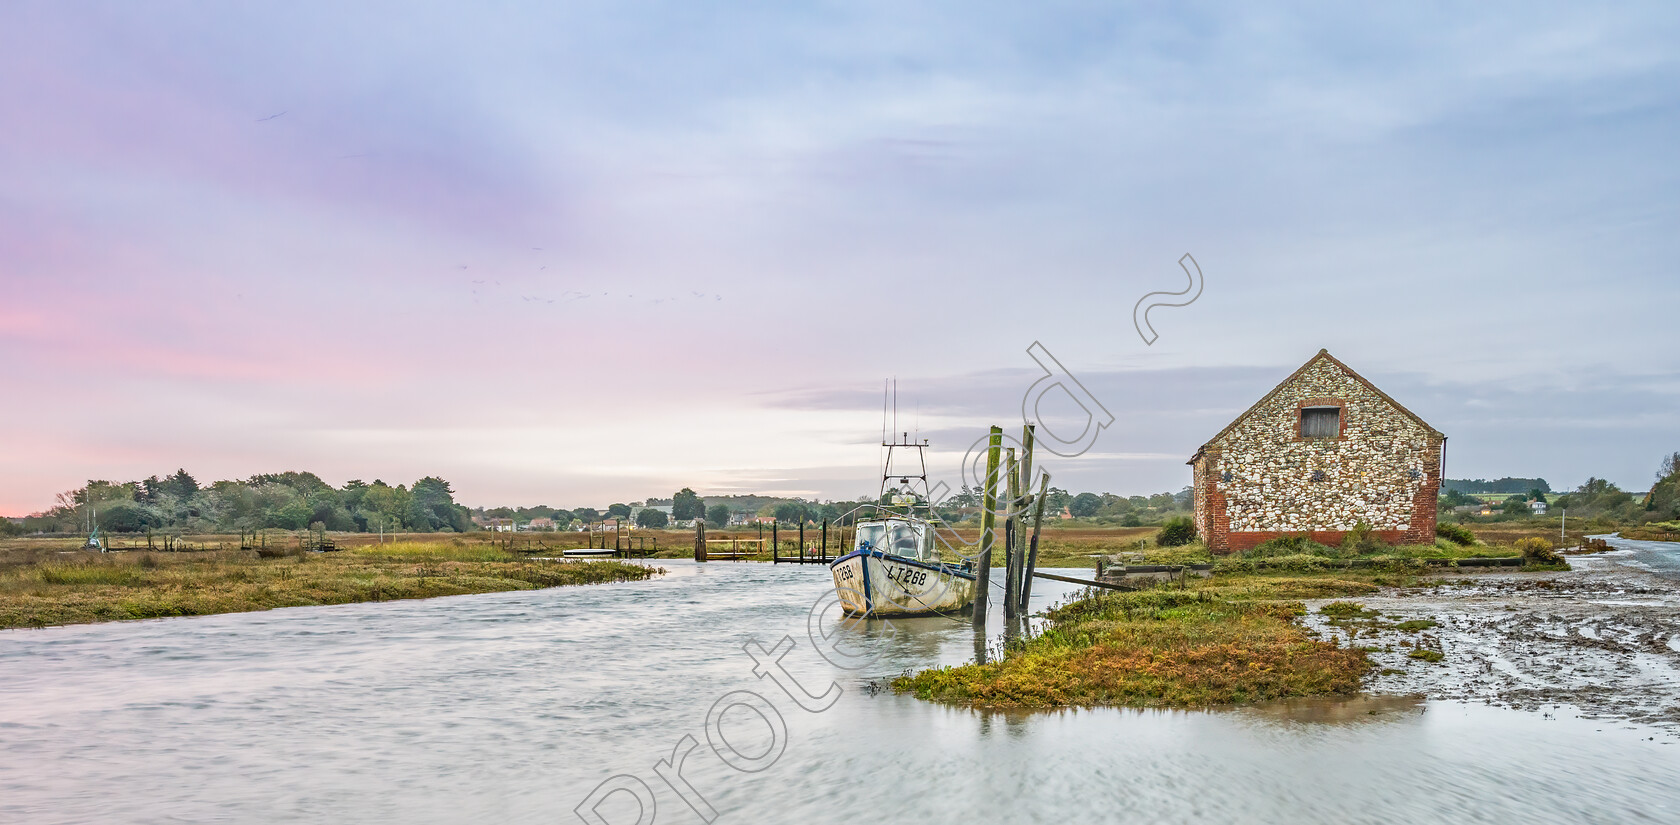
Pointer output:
182, 485
1669, 467
384, 505
618, 511
561, 518
1055, 499
790, 511
1085, 505
350, 495
586, 514
10, 528
686, 505
1536, 494
100, 492
294, 515
129, 517
1131, 520
649, 517
1515, 506
717, 515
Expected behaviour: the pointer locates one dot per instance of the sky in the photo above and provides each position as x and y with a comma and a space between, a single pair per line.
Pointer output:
572, 253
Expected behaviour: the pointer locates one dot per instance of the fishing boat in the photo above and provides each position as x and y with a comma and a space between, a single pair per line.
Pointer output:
895, 566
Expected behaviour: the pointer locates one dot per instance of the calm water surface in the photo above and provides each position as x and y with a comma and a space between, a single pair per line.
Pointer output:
511, 707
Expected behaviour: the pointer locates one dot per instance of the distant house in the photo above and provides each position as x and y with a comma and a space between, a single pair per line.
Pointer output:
540, 524
1538, 507
499, 525
1321, 453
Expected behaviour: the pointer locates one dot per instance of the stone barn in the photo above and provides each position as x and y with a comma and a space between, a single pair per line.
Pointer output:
1320, 453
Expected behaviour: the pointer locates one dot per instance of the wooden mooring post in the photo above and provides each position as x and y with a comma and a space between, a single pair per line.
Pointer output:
699, 539
1032, 549
1011, 535
988, 523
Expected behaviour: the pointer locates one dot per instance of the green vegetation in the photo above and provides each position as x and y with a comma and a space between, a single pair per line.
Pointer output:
1416, 625
1427, 654
1176, 532
47, 587
1455, 533
1537, 551
1347, 610
287, 501
1158, 648
1498, 485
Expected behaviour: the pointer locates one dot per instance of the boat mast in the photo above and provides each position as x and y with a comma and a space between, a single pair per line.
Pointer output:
900, 440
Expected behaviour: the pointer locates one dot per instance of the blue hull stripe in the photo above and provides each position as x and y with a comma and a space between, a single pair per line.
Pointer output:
937, 568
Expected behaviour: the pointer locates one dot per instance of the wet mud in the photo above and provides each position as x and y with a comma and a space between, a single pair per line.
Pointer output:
1603, 638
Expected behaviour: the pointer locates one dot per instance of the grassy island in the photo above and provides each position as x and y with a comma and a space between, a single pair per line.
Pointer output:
1160, 648
42, 586
1229, 638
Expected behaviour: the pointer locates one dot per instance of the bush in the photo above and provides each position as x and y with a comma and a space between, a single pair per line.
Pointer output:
1131, 520
1455, 533
1289, 546
1360, 542
1536, 550
1177, 532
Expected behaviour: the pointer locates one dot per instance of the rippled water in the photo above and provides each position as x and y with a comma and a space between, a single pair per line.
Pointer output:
511, 707
1659, 557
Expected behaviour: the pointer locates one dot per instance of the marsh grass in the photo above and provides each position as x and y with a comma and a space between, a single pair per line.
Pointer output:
1158, 648
38, 589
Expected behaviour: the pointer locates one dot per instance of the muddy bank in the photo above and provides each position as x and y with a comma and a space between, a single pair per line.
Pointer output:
1603, 637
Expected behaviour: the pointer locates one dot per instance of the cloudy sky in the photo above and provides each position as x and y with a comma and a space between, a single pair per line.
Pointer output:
582, 252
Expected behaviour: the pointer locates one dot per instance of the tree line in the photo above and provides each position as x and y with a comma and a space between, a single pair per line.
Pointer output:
287, 501
301, 500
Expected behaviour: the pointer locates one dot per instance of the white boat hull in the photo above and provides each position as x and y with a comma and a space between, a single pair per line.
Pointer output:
880, 584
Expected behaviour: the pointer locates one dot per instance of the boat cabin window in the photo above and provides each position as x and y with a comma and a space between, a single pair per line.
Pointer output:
900, 538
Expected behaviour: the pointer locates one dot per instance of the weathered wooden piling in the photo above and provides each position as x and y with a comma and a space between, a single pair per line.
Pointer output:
1032, 551
1011, 535
699, 539
988, 523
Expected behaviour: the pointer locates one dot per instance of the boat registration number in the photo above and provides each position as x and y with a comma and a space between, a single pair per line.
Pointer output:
907, 576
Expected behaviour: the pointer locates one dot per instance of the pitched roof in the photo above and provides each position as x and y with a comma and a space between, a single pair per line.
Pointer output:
1323, 355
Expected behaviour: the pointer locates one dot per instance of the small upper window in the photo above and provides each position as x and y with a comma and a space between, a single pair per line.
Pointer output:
1321, 422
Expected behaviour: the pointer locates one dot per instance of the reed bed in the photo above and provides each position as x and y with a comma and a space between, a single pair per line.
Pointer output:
42, 587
